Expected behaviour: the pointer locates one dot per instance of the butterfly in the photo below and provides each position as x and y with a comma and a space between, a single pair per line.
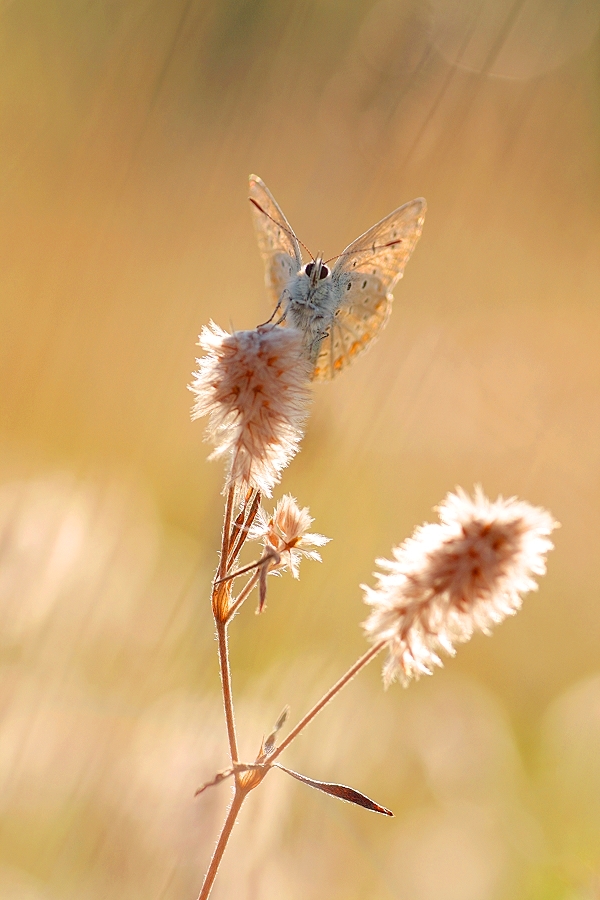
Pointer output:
339, 310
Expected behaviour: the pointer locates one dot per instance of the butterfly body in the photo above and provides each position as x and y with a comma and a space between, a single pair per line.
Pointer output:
310, 300
340, 311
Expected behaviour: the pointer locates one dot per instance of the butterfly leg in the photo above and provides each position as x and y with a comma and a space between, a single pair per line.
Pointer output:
274, 313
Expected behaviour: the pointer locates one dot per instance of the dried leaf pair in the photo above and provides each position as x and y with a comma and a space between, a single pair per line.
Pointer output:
341, 791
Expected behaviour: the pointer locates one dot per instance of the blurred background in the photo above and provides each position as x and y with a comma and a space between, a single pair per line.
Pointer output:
128, 133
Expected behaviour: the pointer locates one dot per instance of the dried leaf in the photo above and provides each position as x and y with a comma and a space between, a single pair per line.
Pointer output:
262, 588
282, 719
338, 790
219, 777
269, 559
269, 743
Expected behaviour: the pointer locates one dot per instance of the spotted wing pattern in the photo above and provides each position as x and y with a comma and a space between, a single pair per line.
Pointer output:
364, 278
276, 240
351, 332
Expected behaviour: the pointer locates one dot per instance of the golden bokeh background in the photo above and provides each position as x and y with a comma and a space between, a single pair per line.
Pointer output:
128, 133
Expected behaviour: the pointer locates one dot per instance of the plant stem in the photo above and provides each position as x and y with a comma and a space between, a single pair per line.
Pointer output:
220, 601
235, 530
242, 596
310, 715
238, 799
237, 572
226, 688
240, 533
226, 536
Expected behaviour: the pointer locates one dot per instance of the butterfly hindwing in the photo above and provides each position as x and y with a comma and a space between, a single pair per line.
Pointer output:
352, 331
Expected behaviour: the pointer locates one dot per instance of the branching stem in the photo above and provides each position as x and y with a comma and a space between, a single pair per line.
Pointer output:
232, 541
340, 683
246, 590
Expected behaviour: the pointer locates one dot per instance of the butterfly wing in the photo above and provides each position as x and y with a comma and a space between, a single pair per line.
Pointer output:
277, 242
364, 277
384, 249
352, 330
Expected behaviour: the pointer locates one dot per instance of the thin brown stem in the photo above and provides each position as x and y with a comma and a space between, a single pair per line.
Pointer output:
226, 536
241, 532
220, 597
238, 799
226, 688
247, 589
241, 571
310, 715
241, 516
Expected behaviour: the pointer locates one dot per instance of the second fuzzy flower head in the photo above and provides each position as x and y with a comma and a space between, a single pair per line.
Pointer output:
451, 579
285, 539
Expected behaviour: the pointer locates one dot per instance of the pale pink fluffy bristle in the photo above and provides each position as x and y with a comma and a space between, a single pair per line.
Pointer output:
451, 579
286, 534
253, 385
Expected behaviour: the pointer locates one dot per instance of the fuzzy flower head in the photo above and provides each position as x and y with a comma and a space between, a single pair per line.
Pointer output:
451, 579
285, 536
253, 385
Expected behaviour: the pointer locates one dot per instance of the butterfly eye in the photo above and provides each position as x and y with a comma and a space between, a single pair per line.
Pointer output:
309, 268
324, 272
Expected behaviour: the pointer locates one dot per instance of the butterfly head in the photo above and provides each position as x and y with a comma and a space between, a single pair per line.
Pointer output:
316, 271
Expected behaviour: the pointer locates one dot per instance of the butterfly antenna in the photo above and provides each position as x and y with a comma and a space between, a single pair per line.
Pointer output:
370, 249
279, 225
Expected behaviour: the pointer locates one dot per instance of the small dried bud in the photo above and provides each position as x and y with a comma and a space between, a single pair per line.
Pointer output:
285, 536
451, 579
254, 387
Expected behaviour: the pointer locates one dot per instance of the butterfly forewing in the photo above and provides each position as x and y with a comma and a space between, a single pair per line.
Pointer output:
385, 248
276, 240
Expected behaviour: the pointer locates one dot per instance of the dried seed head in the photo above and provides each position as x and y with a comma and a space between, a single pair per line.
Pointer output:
254, 387
451, 579
285, 535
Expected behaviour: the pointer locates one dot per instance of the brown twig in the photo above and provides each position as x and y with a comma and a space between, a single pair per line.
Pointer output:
238, 799
246, 590
226, 689
226, 535
340, 683
240, 534
238, 572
